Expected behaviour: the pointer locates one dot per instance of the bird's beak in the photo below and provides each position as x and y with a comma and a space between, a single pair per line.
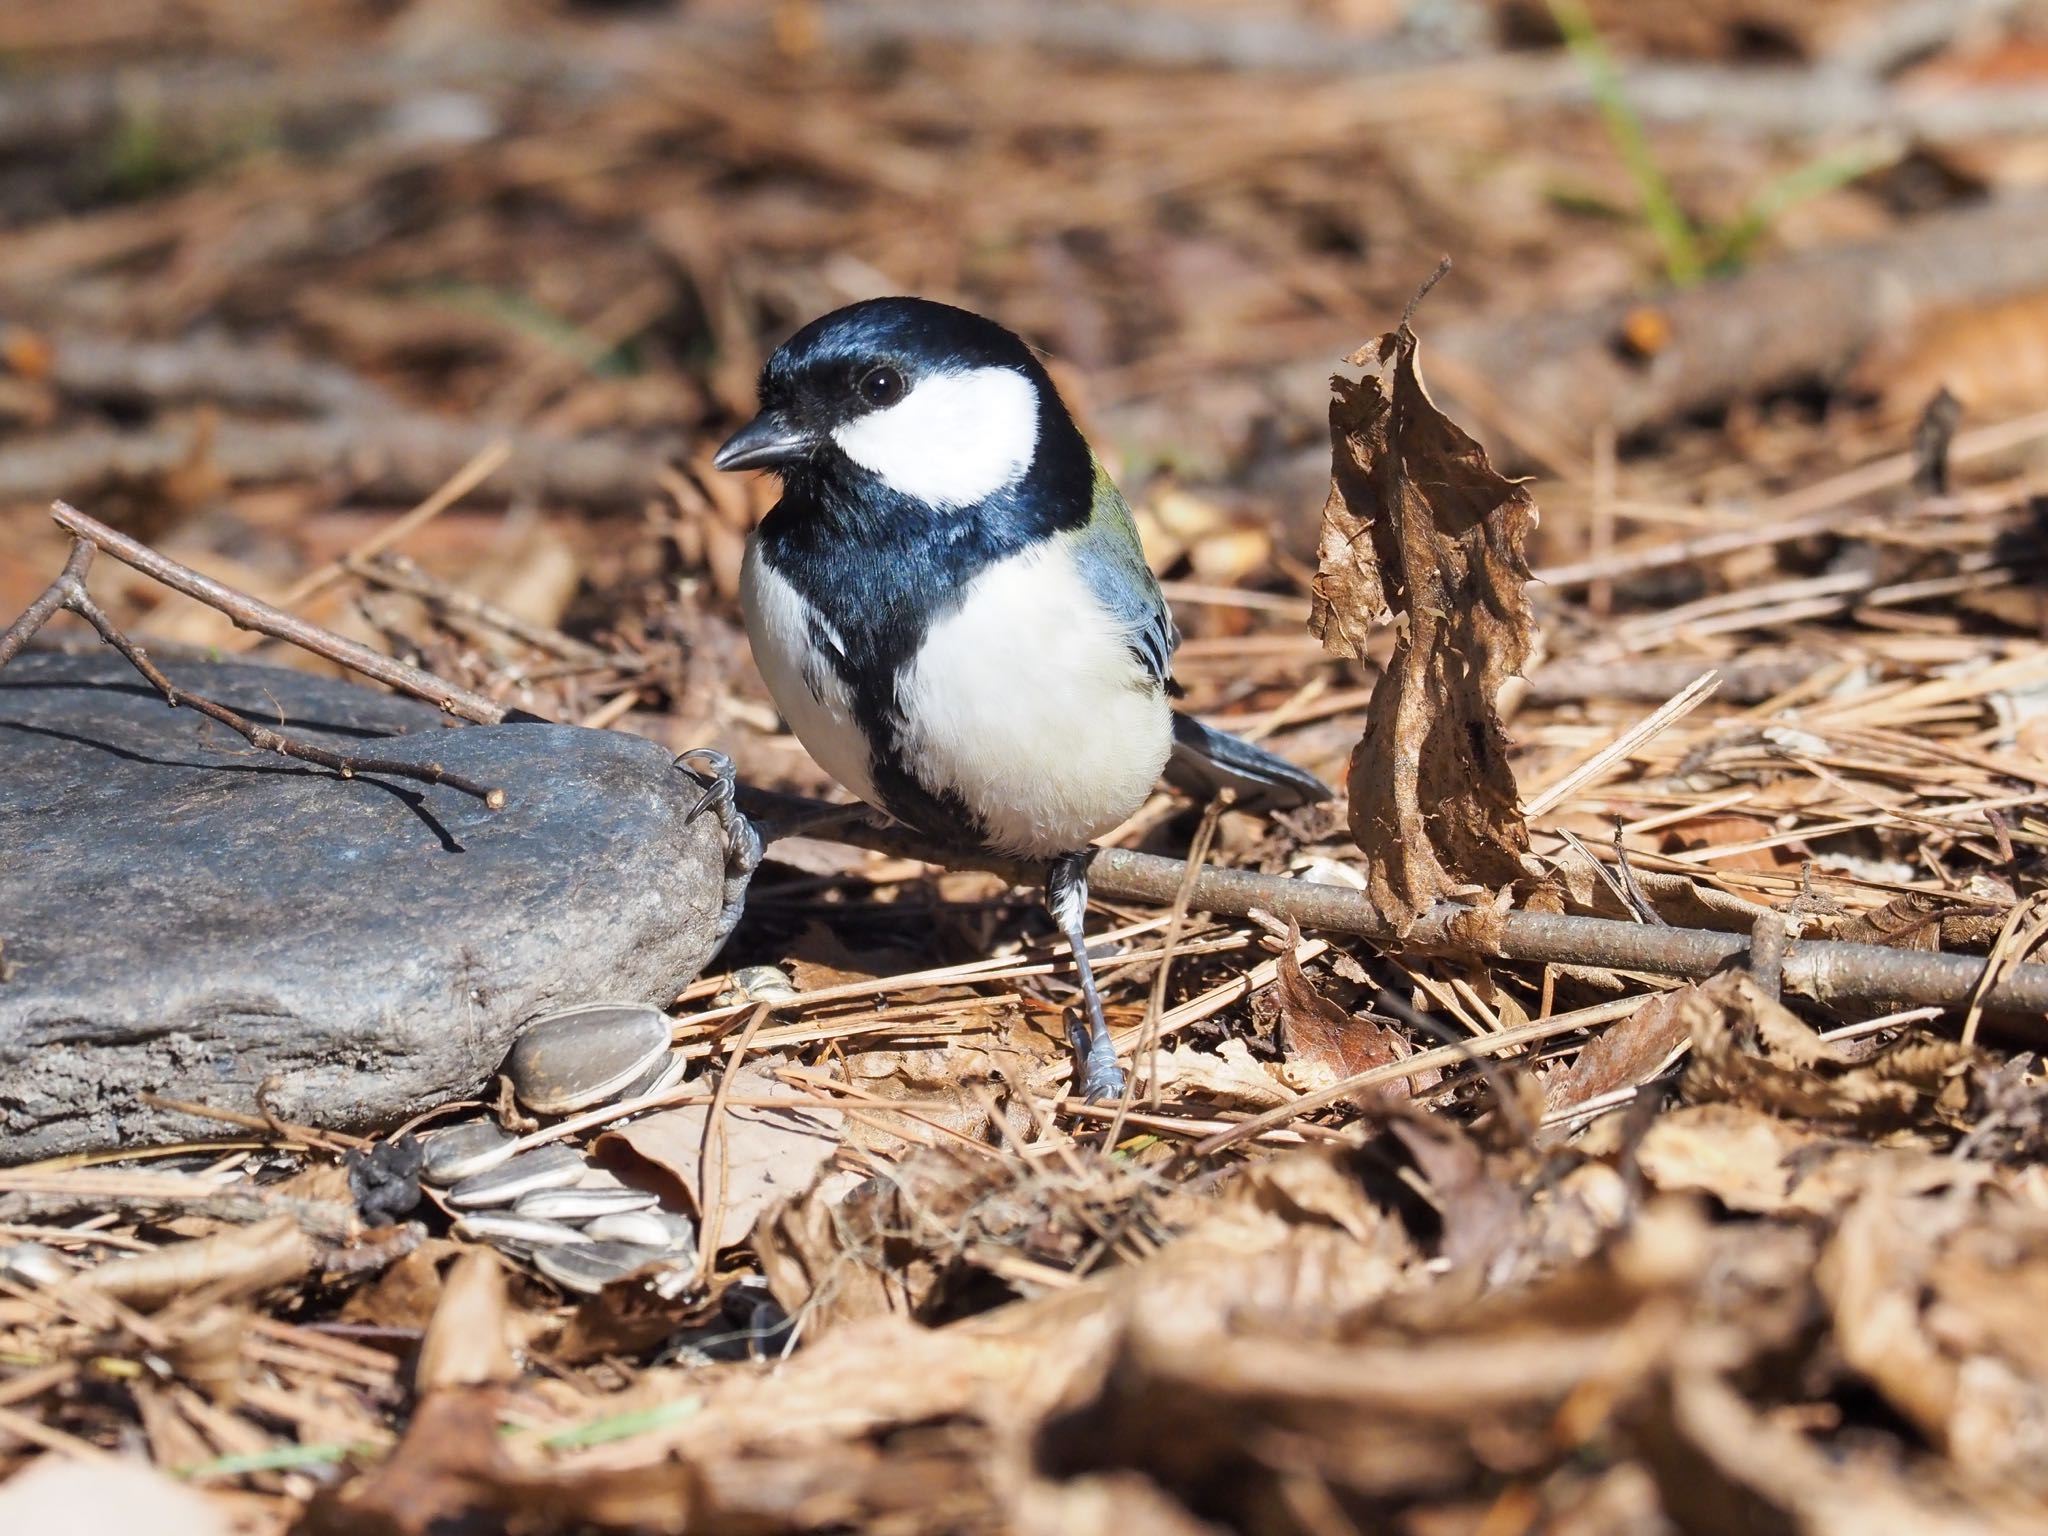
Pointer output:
769, 441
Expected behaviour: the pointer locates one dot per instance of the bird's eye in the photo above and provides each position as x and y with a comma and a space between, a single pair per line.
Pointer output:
881, 386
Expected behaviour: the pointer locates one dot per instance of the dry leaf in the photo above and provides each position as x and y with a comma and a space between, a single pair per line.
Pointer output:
1483, 1217
1730, 829
1910, 920
105, 1496
1624, 1055
238, 1262
1992, 357
1226, 1077
1418, 521
1332, 1043
887, 1246
407, 1293
953, 1086
1762, 1165
769, 1153
1873, 1274
1750, 1049
1723, 1466
931, 1228
466, 1344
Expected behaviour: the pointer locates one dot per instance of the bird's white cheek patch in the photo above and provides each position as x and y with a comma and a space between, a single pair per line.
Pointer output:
954, 440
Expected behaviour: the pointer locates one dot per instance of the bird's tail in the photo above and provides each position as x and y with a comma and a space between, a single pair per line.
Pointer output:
1206, 760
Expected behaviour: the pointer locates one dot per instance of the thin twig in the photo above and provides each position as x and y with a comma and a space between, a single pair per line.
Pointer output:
1155, 1004
67, 593
1668, 714
480, 468
1824, 970
401, 575
248, 613
712, 1212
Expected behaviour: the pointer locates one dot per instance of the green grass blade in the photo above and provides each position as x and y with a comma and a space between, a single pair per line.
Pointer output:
1683, 261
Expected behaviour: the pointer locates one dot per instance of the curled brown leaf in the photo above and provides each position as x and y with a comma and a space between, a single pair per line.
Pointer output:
1420, 523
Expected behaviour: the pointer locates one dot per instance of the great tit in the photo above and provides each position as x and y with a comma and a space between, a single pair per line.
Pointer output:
952, 610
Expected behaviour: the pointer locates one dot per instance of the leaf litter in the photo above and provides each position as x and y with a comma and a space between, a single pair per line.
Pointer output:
1705, 1256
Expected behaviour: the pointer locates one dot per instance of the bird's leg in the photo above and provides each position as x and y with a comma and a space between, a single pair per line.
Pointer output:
1066, 893
743, 846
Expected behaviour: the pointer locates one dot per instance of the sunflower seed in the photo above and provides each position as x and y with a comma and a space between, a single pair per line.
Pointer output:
526, 1231
663, 1075
455, 1152
593, 1266
34, 1264
756, 984
580, 1204
645, 1229
552, 1167
583, 1056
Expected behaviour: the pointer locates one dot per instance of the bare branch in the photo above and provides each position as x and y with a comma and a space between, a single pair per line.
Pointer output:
1826, 971
248, 613
67, 594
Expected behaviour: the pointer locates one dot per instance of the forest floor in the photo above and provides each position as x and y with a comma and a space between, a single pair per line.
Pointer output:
1416, 1223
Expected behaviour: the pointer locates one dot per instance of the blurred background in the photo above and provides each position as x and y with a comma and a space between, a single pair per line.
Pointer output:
272, 274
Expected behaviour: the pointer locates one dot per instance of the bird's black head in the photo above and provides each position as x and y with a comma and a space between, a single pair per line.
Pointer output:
908, 398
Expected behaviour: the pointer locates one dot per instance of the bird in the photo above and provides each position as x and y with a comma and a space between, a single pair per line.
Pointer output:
952, 610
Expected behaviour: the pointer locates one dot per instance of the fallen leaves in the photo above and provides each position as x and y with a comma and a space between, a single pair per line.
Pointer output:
1328, 1040
768, 1151
1417, 521
240, 1261
106, 1495
1625, 1055
1751, 1049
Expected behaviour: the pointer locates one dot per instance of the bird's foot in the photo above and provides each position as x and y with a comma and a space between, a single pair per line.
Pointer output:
743, 846
1095, 1068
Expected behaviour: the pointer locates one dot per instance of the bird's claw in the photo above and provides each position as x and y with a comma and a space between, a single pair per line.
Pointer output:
743, 846
722, 774
1095, 1068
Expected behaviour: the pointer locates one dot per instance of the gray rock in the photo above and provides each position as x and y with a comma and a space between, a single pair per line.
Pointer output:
184, 915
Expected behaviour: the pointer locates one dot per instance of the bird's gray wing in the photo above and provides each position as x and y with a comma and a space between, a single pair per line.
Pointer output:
1204, 760
1112, 560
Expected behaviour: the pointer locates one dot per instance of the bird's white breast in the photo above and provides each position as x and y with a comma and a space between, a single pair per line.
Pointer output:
955, 439
1028, 703
782, 628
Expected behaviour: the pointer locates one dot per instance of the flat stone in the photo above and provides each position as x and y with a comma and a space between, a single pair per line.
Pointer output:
184, 915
